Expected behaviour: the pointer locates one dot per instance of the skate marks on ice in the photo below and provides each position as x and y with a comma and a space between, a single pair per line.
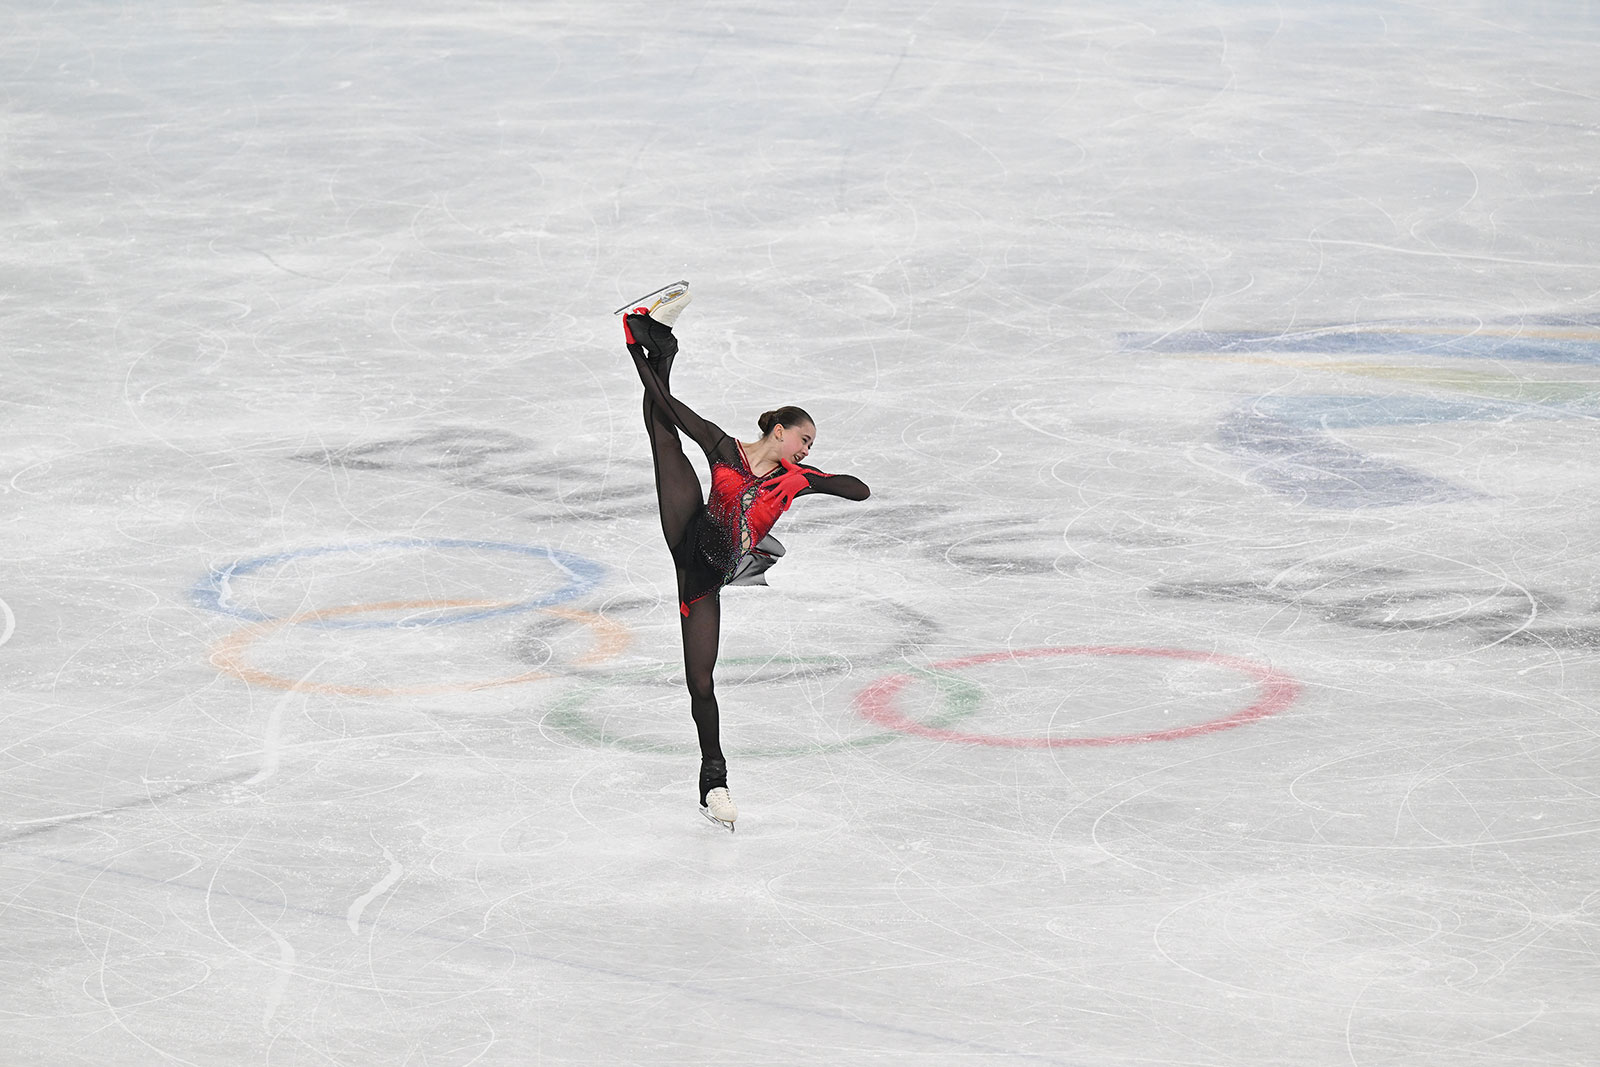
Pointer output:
1290, 452
982, 544
1553, 340
1289, 442
1394, 599
157, 792
240, 906
497, 461
1381, 931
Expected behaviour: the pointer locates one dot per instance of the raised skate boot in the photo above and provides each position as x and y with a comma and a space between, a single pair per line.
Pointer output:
654, 337
664, 305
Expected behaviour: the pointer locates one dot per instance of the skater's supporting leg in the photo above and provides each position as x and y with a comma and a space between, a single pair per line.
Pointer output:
700, 634
702, 630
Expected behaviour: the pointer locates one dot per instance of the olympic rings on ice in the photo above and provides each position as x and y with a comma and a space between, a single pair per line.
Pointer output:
228, 654
582, 575
1275, 691
568, 716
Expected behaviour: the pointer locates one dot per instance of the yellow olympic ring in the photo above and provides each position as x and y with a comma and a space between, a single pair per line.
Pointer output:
227, 655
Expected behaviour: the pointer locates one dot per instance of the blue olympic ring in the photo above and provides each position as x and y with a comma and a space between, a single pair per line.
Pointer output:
583, 575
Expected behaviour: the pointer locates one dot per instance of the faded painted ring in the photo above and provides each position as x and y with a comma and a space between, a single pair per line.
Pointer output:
960, 699
227, 655
582, 576
876, 703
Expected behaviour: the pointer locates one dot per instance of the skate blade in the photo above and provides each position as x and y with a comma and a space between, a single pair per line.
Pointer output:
650, 301
714, 821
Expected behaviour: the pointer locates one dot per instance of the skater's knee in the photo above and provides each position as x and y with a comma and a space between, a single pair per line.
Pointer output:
702, 686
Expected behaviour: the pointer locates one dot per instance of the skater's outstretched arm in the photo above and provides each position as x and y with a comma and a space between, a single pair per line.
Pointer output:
708, 435
799, 479
846, 485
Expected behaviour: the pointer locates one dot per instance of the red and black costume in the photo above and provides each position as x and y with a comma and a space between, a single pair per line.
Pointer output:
739, 512
711, 540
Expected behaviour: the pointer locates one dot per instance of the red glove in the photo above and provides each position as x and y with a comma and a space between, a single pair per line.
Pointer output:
786, 486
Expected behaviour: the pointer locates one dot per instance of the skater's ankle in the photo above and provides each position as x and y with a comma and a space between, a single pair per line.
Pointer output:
713, 775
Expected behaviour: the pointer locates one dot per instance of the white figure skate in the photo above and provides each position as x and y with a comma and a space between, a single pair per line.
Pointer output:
719, 807
664, 305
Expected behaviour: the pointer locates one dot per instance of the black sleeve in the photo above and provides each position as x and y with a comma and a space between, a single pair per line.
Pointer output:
843, 485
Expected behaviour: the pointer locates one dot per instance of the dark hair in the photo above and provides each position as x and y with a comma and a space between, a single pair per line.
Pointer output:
787, 416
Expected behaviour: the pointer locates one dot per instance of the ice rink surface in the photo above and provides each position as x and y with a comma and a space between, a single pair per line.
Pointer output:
1210, 680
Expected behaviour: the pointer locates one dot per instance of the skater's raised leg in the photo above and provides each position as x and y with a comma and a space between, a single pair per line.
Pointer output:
679, 494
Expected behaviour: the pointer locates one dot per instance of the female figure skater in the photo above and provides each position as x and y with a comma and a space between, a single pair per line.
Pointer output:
752, 483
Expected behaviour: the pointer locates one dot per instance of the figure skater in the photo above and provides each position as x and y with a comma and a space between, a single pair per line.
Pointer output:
718, 539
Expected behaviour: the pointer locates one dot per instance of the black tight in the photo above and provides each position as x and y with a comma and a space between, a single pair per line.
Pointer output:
678, 491
680, 496
702, 631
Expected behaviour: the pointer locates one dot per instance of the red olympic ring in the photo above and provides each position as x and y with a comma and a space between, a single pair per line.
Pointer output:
1277, 690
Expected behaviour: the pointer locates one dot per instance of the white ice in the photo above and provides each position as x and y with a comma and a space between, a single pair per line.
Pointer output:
1226, 376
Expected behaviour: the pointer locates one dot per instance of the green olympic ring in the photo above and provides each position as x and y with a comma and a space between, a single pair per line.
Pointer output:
565, 715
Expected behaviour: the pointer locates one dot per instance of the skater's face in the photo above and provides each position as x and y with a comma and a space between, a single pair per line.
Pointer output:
794, 442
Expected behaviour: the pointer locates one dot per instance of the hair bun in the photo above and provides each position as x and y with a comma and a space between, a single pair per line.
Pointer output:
788, 415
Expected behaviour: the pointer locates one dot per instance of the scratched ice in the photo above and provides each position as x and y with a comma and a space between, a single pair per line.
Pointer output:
1210, 680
